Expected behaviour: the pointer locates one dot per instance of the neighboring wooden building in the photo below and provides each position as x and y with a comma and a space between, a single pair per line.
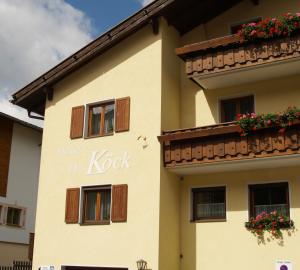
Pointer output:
20, 146
142, 157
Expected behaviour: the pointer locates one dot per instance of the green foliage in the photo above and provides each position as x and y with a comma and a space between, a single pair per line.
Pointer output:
251, 121
271, 222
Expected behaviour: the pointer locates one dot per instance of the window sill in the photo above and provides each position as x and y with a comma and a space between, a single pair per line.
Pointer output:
97, 136
13, 225
86, 223
209, 220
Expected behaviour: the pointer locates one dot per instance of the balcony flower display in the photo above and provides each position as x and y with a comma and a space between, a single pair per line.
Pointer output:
271, 222
282, 26
282, 120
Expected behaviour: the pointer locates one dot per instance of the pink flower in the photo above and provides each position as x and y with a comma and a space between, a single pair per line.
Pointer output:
252, 24
281, 220
298, 14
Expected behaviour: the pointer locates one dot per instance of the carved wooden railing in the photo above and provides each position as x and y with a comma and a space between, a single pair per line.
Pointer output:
224, 143
228, 53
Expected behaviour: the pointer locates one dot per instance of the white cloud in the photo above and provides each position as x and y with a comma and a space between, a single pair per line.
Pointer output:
145, 2
34, 36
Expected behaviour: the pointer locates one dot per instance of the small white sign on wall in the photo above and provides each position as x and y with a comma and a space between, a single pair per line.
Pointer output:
47, 267
284, 265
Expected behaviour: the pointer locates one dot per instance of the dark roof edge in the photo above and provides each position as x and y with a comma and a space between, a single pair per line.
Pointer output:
21, 122
94, 48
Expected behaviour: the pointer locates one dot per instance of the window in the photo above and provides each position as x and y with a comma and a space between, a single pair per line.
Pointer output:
230, 108
96, 207
209, 203
13, 217
268, 198
235, 28
101, 119
1, 207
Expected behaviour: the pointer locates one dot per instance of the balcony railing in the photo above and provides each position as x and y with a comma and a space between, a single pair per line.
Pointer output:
223, 143
222, 55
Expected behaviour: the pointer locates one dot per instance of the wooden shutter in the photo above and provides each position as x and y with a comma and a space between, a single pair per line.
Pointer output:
77, 121
119, 203
72, 205
5, 147
31, 246
122, 114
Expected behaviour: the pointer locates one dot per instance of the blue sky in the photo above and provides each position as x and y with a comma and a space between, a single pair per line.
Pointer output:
105, 14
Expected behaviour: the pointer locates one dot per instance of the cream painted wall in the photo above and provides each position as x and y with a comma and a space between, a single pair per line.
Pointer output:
10, 252
269, 97
169, 219
22, 181
246, 10
132, 68
228, 245
201, 107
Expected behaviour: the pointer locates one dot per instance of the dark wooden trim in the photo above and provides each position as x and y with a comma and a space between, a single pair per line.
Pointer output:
66, 267
155, 25
252, 188
210, 189
208, 44
72, 205
200, 133
6, 134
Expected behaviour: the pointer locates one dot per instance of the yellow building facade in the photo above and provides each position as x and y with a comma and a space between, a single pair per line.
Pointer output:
158, 180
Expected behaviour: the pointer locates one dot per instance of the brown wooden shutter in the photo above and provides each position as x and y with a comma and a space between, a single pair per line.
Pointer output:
122, 114
72, 205
5, 147
119, 203
77, 121
31, 246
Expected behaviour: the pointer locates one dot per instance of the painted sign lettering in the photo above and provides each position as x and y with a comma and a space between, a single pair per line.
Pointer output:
103, 161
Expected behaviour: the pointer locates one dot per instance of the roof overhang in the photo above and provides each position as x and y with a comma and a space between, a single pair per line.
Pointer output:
184, 15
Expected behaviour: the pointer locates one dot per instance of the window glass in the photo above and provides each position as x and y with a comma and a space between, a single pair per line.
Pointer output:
97, 205
105, 205
268, 198
101, 119
230, 111
13, 216
246, 105
230, 108
91, 201
209, 203
95, 122
109, 118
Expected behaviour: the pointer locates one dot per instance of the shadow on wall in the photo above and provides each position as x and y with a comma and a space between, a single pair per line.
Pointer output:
105, 62
199, 107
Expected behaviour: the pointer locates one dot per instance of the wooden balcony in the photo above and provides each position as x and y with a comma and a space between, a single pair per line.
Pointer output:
227, 61
224, 144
